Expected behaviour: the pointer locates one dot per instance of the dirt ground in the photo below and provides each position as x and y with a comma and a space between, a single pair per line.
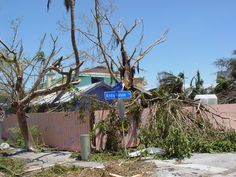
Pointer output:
119, 168
130, 168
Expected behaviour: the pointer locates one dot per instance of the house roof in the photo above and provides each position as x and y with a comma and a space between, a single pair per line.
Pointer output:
97, 70
69, 95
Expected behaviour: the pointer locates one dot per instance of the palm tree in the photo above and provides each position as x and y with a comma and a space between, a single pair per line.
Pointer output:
196, 85
171, 83
70, 6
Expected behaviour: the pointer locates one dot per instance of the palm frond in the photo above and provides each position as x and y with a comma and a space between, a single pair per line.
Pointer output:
48, 4
67, 4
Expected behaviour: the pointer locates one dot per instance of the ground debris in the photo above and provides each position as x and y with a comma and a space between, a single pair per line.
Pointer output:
130, 168
4, 146
149, 150
115, 168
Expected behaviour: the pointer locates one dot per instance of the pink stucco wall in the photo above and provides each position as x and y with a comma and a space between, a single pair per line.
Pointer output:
62, 130
59, 129
227, 114
226, 111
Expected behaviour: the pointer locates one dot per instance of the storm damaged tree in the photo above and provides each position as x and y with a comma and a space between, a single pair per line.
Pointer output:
171, 83
226, 75
227, 67
70, 7
196, 85
21, 78
112, 48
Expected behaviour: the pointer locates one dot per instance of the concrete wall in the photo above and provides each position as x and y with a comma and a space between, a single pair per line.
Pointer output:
227, 114
61, 130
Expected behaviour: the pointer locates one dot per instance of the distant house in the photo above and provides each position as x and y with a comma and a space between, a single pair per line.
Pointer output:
94, 81
101, 73
94, 75
86, 77
96, 89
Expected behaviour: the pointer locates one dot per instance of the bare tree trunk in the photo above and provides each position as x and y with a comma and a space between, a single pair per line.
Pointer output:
74, 46
28, 139
73, 38
128, 75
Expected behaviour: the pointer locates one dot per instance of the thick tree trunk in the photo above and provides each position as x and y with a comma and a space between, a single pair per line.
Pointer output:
28, 139
128, 79
128, 75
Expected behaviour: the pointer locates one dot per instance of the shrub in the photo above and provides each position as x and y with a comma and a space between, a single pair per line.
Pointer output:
16, 138
176, 144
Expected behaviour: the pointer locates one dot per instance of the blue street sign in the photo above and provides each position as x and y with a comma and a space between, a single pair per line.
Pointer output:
117, 95
118, 87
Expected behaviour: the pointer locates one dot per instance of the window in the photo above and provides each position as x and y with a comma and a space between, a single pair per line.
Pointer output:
97, 79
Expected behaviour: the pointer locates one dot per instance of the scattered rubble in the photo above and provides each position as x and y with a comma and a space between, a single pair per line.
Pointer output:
4, 146
150, 150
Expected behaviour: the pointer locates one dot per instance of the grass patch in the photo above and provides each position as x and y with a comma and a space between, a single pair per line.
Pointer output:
106, 156
5, 152
16, 138
59, 170
101, 156
12, 167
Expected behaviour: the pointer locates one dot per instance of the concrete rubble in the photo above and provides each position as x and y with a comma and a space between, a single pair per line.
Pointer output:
149, 150
4, 146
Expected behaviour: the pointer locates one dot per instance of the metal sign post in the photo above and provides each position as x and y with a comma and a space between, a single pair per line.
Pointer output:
121, 111
119, 95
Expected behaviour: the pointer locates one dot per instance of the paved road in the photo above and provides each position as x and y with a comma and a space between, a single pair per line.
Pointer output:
204, 165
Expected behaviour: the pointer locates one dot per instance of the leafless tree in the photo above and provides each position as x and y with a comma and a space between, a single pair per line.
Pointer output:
124, 61
22, 77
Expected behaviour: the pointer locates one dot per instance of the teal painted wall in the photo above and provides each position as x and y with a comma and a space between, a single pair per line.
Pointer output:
86, 79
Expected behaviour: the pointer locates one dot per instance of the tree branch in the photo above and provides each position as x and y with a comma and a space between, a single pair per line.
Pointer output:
150, 47
53, 89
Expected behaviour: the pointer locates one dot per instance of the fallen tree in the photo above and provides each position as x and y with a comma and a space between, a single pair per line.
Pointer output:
180, 127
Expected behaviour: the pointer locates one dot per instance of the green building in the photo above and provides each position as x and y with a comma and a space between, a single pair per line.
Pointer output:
94, 75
